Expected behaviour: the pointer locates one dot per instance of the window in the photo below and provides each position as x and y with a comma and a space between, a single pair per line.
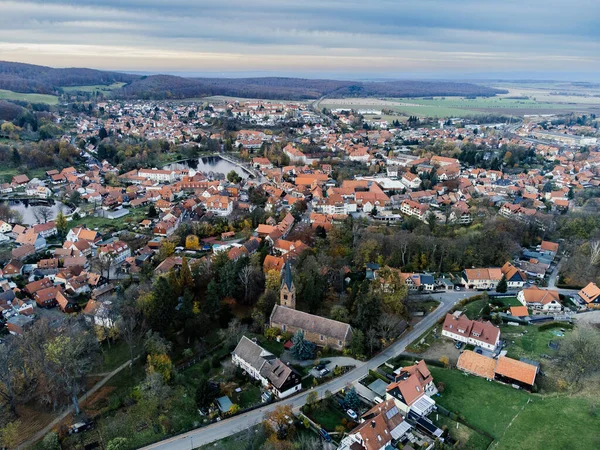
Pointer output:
340, 343
283, 328
285, 296
322, 338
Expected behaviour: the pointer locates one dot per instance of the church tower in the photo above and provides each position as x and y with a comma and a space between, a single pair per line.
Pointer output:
287, 294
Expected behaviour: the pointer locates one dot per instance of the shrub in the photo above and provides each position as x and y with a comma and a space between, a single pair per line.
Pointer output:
205, 367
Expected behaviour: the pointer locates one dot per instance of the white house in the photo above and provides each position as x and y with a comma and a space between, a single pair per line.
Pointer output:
262, 365
540, 299
459, 327
115, 252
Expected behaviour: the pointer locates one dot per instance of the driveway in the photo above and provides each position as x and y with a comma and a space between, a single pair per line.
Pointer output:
224, 428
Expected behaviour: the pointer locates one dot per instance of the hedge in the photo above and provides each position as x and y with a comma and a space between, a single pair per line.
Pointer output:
551, 325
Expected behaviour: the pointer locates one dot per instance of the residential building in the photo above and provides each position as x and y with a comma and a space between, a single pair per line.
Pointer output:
412, 389
504, 369
547, 300
515, 278
481, 279
262, 365
590, 296
459, 327
380, 429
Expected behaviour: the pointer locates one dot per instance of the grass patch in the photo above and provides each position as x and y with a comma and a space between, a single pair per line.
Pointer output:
326, 415
473, 310
484, 405
557, 423
113, 357
251, 438
32, 98
271, 345
249, 396
467, 438
424, 341
505, 301
529, 342
94, 88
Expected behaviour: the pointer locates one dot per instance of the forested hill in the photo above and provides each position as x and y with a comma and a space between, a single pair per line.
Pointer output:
30, 78
159, 87
46, 80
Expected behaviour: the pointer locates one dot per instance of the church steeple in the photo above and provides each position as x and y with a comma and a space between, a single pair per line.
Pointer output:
287, 294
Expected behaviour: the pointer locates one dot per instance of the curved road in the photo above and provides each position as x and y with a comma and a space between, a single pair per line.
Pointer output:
227, 427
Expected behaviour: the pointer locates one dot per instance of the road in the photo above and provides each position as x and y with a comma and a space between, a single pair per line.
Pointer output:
224, 428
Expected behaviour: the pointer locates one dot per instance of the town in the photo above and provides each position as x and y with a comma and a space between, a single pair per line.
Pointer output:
333, 273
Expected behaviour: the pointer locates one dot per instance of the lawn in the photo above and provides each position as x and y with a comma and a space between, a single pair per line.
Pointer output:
506, 301
423, 342
529, 342
468, 439
327, 416
473, 310
557, 423
113, 357
271, 345
33, 98
484, 405
7, 173
94, 88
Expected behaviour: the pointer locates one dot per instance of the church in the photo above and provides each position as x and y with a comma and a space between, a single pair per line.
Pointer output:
318, 330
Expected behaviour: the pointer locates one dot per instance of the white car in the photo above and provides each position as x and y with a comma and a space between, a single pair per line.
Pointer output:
352, 414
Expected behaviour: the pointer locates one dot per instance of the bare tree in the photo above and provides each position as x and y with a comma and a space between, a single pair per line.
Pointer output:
245, 277
594, 253
580, 352
42, 213
10, 374
389, 326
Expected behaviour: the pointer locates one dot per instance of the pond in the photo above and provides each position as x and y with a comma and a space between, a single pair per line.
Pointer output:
212, 166
29, 209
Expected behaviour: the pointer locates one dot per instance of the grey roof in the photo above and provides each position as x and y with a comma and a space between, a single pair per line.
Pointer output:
252, 353
310, 322
287, 275
20, 320
277, 373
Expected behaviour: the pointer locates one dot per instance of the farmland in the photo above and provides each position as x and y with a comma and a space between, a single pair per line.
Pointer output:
93, 88
33, 98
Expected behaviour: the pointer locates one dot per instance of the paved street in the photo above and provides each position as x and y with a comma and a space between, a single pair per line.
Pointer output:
235, 424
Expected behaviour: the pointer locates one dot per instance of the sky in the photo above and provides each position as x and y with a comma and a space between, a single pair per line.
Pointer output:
544, 39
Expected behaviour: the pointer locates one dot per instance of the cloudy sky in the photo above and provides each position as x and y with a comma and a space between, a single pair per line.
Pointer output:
347, 38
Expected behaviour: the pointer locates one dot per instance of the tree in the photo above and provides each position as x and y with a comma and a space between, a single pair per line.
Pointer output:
71, 355
205, 394
51, 442
167, 248
352, 400
192, 242
185, 275
233, 177
118, 443
502, 285
279, 423
75, 198
212, 304
61, 224
160, 363
152, 211
11, 383
312, 398
10, 435
301, 348
445, 361
357, 343
580, 353
42, 214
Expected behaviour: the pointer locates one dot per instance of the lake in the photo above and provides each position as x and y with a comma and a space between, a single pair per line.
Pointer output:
212, 166
27, 209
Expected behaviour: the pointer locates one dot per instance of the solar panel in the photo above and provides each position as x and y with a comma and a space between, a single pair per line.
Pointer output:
392, 412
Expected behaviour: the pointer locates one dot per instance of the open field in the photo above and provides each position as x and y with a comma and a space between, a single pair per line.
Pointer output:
94, 88
529, 342
538, 102
225, 98
33, 98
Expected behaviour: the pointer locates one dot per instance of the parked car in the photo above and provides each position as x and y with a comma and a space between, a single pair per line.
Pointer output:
457, 288
352, 414
321, 365
478, 350
323, 372
80, 427
458, 345
325, 435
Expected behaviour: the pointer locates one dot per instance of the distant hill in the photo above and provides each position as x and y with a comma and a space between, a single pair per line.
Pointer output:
29, 78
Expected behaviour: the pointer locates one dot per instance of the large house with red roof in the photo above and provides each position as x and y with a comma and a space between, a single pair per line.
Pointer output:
459, 327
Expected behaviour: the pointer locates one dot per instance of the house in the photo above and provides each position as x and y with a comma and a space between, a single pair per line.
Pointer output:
99, 313
46, 298
476, 364
115, 253
318, 330
20, 180
48, 266
504, 369
459, 327
219, 204
32, 238
410, 180
22, 252
65, 304
14, 268
5, 227
412, 389
81, 233
519, 311
481, 279
520, 373
34, 286
515, 278
549, 248
273, 263
547, 300
381, 428
18, 324
262, 365
590, 296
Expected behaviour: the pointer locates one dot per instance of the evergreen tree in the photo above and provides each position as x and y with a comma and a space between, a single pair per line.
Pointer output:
502, 285
204, 394
301, 348
213, 299
351, 399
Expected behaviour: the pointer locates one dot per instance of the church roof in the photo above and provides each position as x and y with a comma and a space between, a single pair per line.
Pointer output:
287, 276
